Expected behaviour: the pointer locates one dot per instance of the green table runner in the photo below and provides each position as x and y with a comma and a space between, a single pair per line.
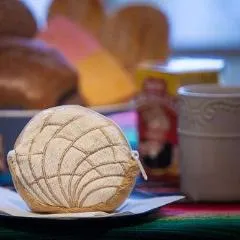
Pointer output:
161, 228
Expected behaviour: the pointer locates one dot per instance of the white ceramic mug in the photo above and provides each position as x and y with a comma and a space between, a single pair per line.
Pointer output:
209, 136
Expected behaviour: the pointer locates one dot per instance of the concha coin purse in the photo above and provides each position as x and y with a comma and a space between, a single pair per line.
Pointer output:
71, 159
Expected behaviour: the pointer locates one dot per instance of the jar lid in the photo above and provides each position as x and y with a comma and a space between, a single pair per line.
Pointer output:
185, 65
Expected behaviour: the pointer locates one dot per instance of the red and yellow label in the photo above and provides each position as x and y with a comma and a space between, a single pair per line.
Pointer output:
157, 117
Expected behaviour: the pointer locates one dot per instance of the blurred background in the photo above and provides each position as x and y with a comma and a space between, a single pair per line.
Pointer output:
197, 28
114, 56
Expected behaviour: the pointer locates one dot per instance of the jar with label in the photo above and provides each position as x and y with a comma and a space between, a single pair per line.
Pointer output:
157, 110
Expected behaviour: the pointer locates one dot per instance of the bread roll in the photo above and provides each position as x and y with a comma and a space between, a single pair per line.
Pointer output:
16, 19
88, 14
136, 32
33, 75
72, 159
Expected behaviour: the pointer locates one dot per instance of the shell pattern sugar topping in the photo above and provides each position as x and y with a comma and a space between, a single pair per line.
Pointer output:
72, 159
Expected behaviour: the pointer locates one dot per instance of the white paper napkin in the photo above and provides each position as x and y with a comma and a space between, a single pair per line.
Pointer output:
12, 204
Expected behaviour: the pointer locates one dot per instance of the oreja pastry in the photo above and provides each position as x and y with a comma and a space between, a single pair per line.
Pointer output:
72, 159
33, 75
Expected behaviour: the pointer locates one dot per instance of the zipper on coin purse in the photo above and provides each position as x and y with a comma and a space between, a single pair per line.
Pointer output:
135, 156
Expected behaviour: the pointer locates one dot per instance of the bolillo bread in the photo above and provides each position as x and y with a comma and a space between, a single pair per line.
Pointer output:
33, 75
72, 159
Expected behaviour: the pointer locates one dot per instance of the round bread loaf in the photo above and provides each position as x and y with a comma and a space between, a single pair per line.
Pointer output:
33, 75
72, 159
136, 32
16, 19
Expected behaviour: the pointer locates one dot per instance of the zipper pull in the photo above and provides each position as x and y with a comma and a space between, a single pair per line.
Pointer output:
135, 156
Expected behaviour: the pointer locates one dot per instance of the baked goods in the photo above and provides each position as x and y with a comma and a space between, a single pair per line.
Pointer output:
109, 83
88, 14
135, 32
72, 159
103, 80
16, 19
33, 75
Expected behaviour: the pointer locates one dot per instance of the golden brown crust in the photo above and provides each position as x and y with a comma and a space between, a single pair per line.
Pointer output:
32, 74
88, 14
135, 33
16, 19
120, 196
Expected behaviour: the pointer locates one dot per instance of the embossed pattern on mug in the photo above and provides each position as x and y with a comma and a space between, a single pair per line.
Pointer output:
195, 117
